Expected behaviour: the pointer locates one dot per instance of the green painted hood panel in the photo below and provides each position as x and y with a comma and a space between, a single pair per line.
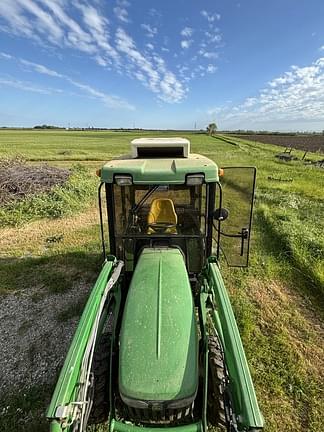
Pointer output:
160, 171
158, 358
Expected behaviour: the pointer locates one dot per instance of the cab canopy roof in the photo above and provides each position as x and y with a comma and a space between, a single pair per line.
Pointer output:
160, 161
167, 147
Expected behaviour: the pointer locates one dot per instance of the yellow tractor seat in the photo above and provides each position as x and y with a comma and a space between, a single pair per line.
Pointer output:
161, 215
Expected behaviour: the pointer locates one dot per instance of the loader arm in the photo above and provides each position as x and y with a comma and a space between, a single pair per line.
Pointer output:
66, 404
246, 409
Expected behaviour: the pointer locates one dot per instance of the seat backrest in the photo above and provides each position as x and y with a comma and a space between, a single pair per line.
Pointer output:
162, 210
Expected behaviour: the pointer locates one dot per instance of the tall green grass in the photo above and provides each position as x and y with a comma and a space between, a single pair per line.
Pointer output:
298, 239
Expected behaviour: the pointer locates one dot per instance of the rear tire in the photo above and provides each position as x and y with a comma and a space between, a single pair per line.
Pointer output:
216, 378
100, 370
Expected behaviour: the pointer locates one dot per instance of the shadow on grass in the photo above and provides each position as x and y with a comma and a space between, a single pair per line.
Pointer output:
26, 411
51, 274
226, 140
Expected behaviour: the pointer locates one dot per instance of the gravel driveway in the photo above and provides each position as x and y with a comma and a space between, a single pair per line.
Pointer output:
34, 338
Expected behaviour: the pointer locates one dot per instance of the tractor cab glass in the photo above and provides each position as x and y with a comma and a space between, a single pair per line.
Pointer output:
233, 215
159, 215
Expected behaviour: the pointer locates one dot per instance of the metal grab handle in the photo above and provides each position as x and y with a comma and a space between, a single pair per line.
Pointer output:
245, 236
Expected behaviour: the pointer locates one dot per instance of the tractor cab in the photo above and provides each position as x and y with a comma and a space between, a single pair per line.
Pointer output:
162, 195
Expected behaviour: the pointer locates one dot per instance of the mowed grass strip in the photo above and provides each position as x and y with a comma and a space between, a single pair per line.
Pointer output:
276, 302
46, 236
50, 256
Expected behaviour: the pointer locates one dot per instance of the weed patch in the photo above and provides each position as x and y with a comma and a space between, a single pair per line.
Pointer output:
74, 195
18, 179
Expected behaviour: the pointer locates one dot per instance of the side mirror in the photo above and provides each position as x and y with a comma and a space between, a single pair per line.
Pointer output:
220, 214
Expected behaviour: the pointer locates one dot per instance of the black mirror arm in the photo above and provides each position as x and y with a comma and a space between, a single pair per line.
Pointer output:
242, 235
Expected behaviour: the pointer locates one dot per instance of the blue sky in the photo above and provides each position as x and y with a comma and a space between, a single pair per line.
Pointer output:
250, 64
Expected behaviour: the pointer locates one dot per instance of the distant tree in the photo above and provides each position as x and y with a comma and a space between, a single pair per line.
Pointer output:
211, 128
45, 126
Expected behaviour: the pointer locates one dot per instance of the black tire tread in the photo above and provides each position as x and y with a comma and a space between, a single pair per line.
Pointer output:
100, 369
216, 376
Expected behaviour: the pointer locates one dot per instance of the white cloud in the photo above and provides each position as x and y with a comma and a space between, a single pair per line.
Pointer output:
17, 23
150, 31
155, 75
47, 24
101, 61
155, 13
211, 69
50, 23
186, 43
44, 21
75, 36
211, 17
82, 26
187, 32
23, 85
250, 102
28, 19
322, 48
123, 3
121, 11
111, 101
126, 45
98, 28
41, 68
213, 37
208, 54
121, 14
297, 96
5, 56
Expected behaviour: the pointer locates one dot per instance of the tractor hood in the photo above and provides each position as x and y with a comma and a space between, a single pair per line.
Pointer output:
158, 359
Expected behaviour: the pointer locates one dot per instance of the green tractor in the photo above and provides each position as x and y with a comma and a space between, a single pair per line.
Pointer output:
157, 347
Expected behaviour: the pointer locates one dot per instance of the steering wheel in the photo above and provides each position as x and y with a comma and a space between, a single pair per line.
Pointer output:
161, 226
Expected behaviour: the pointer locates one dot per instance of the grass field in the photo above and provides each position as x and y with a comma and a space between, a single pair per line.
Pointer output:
278, 302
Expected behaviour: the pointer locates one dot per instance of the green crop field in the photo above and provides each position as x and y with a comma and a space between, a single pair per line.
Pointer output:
278, 301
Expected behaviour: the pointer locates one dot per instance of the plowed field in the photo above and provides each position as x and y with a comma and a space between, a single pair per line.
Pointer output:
300, 142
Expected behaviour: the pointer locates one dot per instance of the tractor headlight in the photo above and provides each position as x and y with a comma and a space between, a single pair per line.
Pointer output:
123, 180
195, 179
